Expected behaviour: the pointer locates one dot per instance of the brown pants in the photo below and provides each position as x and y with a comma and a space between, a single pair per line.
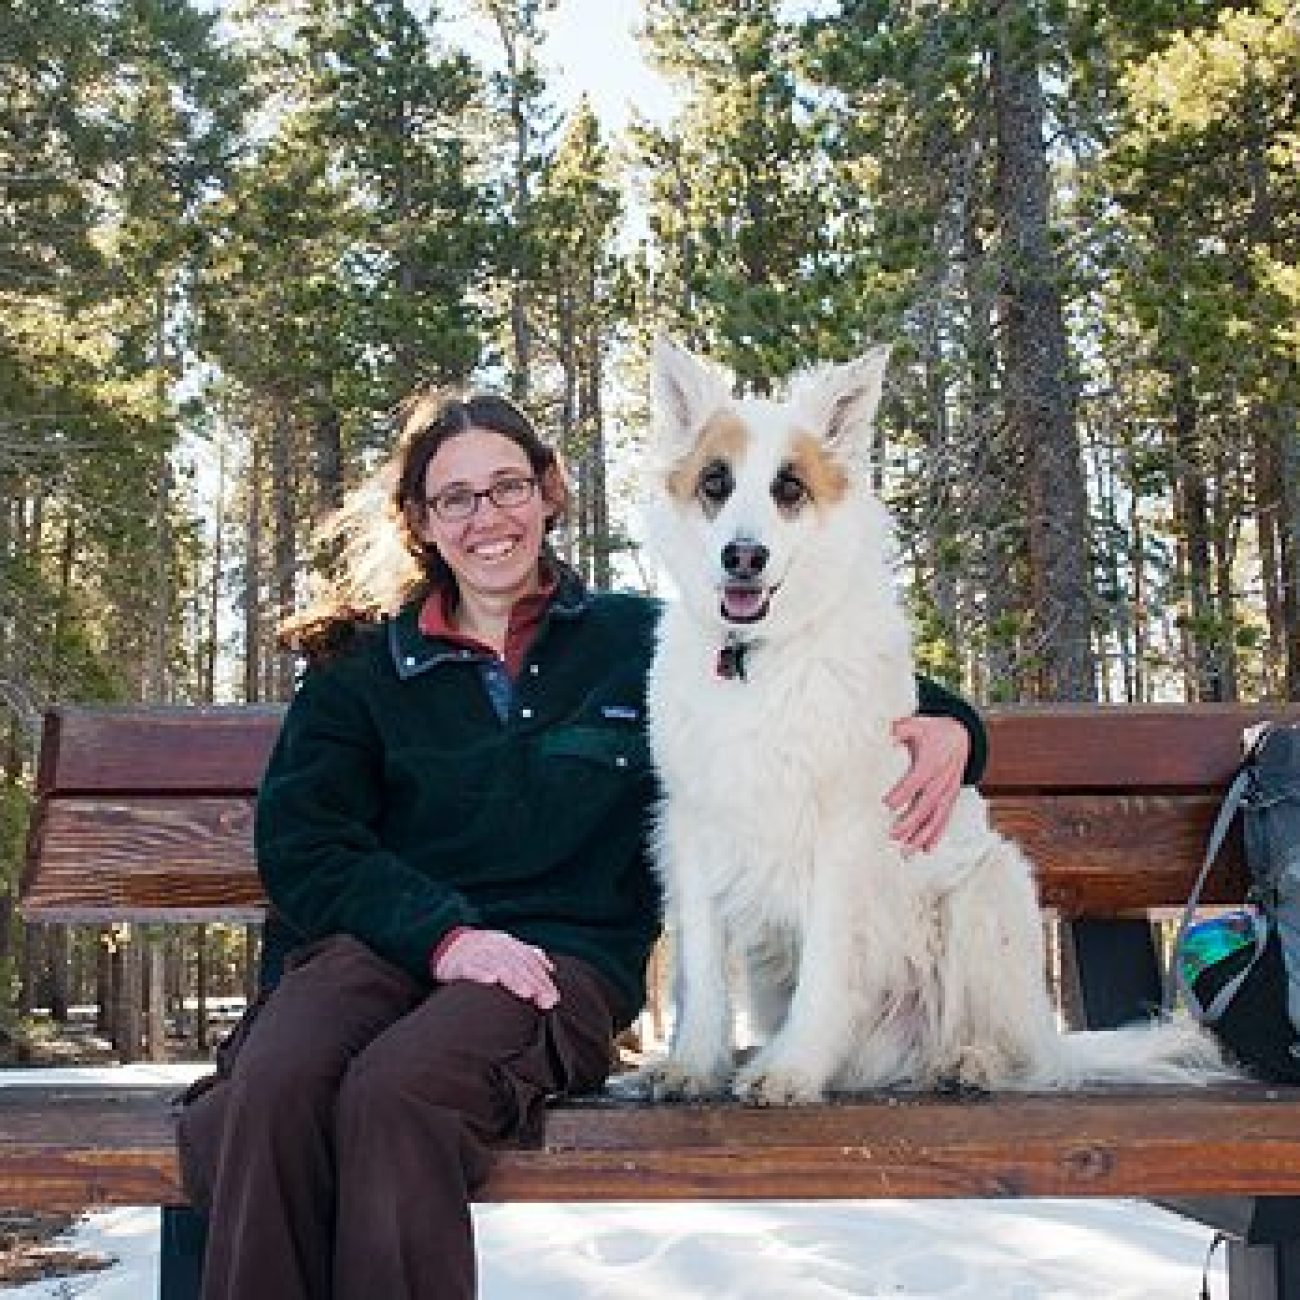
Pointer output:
337, 1152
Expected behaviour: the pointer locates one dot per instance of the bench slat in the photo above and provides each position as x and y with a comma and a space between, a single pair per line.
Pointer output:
1118, 855
223, 750
71, 1148
142, 859
159, 858
187, 749
1137, 748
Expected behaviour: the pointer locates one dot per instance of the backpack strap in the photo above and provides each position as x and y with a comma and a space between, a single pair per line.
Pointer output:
1175, 983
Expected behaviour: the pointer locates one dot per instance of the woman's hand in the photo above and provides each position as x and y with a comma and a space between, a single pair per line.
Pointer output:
924, 798
494, 957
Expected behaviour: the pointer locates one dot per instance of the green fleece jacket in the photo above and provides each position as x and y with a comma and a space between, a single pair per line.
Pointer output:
399, 804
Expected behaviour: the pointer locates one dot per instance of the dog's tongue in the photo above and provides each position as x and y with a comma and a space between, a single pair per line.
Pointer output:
742, 602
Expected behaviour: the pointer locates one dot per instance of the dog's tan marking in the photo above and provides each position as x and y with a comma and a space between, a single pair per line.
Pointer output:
724, 437
826, 479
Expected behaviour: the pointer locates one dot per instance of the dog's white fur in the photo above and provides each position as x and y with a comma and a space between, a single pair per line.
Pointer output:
865, 968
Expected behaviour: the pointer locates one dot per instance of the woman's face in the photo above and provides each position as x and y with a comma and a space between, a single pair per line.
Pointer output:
494, 550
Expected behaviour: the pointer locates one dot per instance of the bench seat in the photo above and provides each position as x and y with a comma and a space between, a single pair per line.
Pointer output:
66, 1148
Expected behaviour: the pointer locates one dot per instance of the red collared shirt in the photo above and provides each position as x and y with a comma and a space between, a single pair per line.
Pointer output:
525, 616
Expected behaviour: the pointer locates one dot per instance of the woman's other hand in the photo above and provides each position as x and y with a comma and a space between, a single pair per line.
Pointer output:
494, 957
924, 798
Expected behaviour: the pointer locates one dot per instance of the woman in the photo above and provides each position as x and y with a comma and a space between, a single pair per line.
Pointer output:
453, 823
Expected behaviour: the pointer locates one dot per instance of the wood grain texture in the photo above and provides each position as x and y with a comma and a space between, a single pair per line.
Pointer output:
190, 858
1135, 748
142, 859
184, 749
223, 749
1116, 855
76, 1147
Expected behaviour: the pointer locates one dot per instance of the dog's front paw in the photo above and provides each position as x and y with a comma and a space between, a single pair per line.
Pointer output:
767, 1081
681, 1079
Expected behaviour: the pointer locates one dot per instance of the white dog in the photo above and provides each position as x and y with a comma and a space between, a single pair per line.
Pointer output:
777, 675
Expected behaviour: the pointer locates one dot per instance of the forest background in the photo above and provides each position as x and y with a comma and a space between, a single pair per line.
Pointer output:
233, 236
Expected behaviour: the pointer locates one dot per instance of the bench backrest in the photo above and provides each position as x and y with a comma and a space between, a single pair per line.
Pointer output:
146, 813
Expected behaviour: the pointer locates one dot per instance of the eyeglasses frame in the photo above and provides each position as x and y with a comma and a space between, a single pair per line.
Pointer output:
479, 495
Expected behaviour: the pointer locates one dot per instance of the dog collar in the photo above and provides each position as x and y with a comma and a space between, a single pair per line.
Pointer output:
731, 659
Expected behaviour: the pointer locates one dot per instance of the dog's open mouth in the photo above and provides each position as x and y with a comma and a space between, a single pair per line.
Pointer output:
745, 602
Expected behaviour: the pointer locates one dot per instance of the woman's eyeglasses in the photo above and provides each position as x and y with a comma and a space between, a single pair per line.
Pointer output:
454, 504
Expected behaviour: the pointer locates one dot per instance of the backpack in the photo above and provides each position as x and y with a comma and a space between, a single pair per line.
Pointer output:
1239, 973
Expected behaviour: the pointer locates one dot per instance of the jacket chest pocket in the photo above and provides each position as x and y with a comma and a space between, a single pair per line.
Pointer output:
612, 747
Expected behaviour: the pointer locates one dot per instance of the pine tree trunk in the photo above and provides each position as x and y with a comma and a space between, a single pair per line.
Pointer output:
252, 954
994, 473
212, 613
1137, 593
252, 578
175, 985
1289, 546
78, 993
155, 986
1038, 400
11, 774
127, 982
31, 967
515, 44
1268, 508
57, 951
938, 529
7, 909
327, 440
594, 419
574, 527
202, 1029
105, 1002
1192, 498
286, 542
1224, 526
161, 597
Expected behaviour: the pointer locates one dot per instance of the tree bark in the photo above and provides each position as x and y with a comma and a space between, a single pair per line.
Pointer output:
158, 679
252, 576
155, 985
1038, 400
252, 956
29, 977
1289, 547
58, 955
516, 45
127, 981
594, 420
105, 1005
327, 438
286, 541
1193, 511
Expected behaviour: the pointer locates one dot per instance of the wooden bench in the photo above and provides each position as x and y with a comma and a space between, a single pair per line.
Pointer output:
145, 814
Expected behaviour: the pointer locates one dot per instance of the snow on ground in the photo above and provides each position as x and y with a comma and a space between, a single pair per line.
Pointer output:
955, 1250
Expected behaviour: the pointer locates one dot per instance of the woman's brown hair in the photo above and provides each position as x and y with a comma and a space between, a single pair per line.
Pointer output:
381, 560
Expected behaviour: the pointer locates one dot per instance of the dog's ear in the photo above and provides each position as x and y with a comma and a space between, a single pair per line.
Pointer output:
843, 398
685, 392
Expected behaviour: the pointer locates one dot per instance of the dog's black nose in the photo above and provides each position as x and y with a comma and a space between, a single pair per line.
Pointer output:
744, 559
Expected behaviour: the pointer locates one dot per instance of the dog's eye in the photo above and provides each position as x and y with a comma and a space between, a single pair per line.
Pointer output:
716, 483
788, 490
